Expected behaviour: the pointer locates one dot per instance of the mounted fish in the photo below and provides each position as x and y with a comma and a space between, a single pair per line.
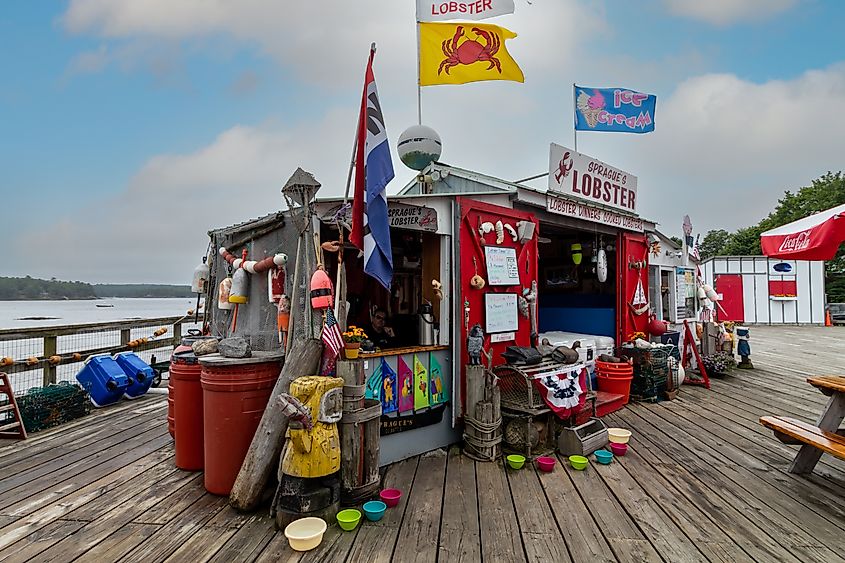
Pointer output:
511, 231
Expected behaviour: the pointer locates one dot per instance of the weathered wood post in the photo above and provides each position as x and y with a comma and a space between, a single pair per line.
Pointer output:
483, 433
266, 447
359, 436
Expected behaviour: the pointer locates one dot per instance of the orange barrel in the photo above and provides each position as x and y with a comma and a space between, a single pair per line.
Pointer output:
187, 410
235, 393
171, 421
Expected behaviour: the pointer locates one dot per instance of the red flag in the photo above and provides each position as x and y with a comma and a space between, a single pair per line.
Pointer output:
356, 236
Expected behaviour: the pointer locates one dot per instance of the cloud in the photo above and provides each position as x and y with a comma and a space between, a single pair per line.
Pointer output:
154, 230
727, 12
725, 149
324, 42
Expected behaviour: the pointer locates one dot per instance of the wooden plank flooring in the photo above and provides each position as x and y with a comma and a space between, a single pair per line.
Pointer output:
703, 481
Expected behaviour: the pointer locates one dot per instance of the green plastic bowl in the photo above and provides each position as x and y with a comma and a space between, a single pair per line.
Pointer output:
578, 462
516, 461
348, 519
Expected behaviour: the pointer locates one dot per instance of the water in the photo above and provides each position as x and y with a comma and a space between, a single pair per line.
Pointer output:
81, 312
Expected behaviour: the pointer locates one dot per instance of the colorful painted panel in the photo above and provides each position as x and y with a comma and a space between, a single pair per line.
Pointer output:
421, 399
389, 395
406, 386
438, 389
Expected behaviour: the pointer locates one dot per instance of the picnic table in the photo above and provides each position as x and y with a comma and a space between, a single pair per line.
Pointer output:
824, 437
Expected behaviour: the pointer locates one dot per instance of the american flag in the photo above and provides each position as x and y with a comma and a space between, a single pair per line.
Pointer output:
331, 334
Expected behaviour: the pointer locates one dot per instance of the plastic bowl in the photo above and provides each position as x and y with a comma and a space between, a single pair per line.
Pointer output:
604, 457
390, 497
546, 464
618, 435
348, 519
618, 449
578, 462
516, 461
374, 510
306, 533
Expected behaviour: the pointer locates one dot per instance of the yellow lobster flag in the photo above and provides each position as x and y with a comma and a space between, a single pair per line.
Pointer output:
457, 53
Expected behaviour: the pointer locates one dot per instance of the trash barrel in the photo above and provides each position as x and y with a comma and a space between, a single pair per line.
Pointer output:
235, 393
187, 410
103, 379
138, 371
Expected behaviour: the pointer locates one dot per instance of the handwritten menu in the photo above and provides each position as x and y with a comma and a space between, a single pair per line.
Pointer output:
502, 268
500, 312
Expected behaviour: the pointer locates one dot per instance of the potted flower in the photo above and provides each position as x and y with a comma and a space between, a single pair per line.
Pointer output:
352, 339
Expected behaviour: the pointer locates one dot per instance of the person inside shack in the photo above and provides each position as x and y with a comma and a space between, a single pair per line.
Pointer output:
380, 334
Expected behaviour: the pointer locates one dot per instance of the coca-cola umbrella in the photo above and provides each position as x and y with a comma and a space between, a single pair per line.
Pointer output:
816, 237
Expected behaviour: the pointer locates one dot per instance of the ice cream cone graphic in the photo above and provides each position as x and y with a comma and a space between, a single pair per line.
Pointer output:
590, 107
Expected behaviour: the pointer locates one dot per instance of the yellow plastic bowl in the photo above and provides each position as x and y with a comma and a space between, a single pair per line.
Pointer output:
618, 435
306, 533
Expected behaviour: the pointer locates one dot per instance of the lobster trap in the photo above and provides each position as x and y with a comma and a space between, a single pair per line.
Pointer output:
651, 371
45, 407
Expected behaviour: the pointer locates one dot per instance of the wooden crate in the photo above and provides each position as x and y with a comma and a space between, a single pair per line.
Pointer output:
583, 439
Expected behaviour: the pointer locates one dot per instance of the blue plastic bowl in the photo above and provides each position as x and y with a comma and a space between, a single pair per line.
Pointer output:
374, 510
603, 456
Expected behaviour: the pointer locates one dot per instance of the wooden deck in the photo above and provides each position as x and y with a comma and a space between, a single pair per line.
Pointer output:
703, 481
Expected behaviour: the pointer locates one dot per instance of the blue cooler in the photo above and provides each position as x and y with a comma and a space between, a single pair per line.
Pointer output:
103, 379
139, 372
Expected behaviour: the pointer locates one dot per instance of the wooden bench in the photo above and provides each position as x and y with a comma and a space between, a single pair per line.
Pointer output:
792, 431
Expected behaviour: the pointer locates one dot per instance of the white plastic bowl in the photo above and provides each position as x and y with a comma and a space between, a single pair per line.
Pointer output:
618, 435
306, 533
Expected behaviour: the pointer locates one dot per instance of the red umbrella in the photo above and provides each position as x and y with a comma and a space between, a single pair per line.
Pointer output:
816, 237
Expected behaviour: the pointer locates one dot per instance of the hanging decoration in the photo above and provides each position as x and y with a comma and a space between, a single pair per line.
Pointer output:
438, 390
223, 292
239, 294
406, 386
511, 231
577, 254
421, 399
322, 290
601, 265
389, 388
500, 232
283, 320
477, 281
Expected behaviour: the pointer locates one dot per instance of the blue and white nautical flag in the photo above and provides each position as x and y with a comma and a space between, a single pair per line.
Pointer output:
616, 110
373, 171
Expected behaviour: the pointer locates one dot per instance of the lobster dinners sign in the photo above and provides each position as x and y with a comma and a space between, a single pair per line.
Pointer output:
578, 210
586, 178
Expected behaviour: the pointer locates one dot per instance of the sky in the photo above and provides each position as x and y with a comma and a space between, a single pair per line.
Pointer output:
128, 129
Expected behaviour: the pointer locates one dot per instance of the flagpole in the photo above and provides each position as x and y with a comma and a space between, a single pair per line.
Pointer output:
419, 88
574, 118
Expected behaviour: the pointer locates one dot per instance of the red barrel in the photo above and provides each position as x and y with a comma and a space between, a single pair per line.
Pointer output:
235, 393
184, 346
185, 373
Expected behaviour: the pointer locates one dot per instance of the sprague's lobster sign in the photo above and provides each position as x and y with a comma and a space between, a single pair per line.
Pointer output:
578, 175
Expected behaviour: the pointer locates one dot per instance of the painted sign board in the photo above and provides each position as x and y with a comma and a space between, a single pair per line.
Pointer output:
583, 177
578, 210
400, 215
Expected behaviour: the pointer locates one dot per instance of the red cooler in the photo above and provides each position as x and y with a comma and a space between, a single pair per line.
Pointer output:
235, 393
187, 410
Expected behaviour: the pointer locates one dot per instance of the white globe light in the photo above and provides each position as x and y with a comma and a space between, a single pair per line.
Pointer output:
419, 146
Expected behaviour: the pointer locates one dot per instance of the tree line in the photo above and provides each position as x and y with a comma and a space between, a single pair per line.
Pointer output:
29, 288
824, 192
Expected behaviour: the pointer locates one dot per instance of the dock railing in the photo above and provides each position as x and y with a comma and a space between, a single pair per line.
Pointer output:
36, 357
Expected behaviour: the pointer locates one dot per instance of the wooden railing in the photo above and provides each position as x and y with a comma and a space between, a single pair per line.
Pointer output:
57, 351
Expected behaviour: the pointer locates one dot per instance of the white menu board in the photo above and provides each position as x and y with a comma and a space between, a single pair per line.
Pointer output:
500, 314
502, 268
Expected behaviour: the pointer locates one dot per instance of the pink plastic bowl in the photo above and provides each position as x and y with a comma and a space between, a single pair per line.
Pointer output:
546, 464
618, 449
391, 497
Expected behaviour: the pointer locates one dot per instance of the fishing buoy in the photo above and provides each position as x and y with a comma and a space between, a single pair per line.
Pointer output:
576, 253
275, 284
601, 266
702, 295
31, 361
160, 331
200, 278
238, 294
283, 320
55, 360
77, 357
6, 361
322, 292
223, 292
710, 293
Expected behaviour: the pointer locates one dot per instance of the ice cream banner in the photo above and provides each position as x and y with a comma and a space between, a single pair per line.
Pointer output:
421, 399
617, 110
389, 395
406, 386
438, 390
442, 10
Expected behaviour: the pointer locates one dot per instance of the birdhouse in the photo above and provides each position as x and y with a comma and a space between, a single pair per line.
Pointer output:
322, 292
